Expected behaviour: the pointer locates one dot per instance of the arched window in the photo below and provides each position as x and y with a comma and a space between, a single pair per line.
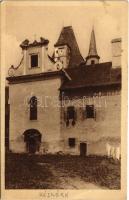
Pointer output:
33, 108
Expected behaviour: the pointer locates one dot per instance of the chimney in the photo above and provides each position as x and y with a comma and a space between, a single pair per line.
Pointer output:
116, 53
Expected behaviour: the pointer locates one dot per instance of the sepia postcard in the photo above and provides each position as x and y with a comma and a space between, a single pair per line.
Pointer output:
63, 100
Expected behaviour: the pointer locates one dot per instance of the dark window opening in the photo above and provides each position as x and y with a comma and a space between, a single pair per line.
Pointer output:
71, 115
92, 62
33, 108
34, 61
89, 111
72, 142
70, 112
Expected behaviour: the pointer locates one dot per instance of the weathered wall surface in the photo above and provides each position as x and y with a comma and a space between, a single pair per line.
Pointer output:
97, 132
48, 122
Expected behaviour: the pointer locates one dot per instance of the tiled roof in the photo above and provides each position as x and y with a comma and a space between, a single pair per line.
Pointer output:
67, 37
92, 75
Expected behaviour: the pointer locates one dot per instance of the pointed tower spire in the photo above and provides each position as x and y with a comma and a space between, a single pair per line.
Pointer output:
92, 48
92, 57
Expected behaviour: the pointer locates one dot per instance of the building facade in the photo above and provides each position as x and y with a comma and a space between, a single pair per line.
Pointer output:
65, 103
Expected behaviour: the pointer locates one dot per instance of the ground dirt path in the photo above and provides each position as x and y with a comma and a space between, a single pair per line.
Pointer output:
67, 182
63, 181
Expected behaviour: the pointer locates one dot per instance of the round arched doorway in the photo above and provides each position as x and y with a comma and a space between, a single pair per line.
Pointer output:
32, 137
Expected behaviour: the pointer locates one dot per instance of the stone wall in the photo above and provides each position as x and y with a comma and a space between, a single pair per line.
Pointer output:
95, 132
48, 122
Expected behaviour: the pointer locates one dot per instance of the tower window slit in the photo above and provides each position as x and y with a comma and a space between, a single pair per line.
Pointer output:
33, 108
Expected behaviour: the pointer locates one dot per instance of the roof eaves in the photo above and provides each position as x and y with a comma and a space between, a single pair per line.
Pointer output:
90, 85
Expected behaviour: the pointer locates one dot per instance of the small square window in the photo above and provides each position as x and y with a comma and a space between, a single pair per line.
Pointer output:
71, 142
34, 61
92, 62
89, 111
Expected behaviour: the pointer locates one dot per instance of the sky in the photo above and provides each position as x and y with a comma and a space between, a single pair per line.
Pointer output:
35, 19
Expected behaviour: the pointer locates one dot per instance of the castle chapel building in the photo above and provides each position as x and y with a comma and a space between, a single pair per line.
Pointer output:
64, 103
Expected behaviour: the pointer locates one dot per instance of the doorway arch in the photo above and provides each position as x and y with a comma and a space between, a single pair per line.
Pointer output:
32, 138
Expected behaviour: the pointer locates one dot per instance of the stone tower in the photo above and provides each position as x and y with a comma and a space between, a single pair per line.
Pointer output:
67, 53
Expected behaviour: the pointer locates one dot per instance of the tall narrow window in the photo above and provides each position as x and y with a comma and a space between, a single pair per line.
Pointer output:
70, 112
90, 111
33, 108
71, 115
34, 60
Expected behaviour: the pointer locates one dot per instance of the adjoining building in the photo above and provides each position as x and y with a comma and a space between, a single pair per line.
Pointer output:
65, 103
